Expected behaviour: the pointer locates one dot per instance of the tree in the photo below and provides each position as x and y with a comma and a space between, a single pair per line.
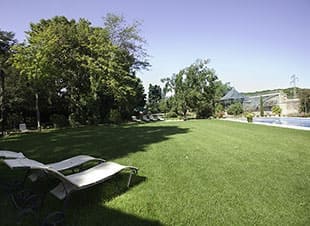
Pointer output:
127, 37
81, 67
6, 42
193, 88
261, 106
154, 97
304, 99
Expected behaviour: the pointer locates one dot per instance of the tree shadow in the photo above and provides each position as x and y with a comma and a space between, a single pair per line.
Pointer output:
87, 207
108, 142
83, 208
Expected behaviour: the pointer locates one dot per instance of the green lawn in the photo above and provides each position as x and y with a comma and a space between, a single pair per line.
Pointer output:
199, 172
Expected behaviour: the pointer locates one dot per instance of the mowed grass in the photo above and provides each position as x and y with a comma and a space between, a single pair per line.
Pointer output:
200, 172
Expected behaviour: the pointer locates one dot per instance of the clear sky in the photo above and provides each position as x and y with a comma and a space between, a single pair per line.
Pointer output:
254, 44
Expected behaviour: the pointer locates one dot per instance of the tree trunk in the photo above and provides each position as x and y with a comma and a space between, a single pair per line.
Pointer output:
2, 103
38, 112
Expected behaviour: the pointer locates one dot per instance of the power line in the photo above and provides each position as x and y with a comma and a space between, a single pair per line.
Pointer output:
293, 80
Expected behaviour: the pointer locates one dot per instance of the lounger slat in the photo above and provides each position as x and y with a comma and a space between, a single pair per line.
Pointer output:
72, 162
95, 174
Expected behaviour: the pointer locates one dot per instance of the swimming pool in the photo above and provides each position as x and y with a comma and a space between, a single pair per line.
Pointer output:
290, 121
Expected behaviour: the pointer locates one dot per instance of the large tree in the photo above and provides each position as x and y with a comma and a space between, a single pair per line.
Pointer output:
154, 97
7, 40
193, 88
82, 65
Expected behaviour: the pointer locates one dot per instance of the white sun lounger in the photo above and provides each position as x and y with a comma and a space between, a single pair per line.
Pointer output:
59, 166
76, 181
66, 164
4, 154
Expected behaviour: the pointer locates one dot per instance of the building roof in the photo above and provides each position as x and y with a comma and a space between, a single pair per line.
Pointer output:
233, 94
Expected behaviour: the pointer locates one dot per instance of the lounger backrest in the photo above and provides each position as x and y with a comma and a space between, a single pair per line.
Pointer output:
72, 162
35, 165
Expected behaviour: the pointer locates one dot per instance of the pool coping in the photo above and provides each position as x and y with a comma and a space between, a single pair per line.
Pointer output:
269, 124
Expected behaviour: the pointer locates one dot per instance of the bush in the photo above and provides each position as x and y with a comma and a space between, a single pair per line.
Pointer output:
205, 110
74, 120
172, 114
115, 116
276, 110
219, 114
59, 120
235, 109
249, 116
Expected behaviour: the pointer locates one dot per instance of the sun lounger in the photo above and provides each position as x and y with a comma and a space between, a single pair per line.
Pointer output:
145, 118
76, 181
135, 119
69, 163
4, 154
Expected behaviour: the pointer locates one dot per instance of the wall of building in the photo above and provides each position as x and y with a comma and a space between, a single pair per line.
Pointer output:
288, 106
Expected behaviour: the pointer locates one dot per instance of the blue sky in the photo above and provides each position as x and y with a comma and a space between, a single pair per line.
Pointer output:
254, 44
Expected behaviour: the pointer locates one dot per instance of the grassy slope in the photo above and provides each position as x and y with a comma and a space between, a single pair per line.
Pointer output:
195, 172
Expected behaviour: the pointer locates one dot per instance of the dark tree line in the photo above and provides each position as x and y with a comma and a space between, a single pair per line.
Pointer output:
69, 71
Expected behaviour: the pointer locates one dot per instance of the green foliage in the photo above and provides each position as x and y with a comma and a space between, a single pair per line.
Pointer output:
235, 109
249, 116
304, 97
193, 88
154, 98
84, 69
219, 110
219, 107
6, 42
171, 114
115, 116
205, 110
59, 120
261, 106
276, 110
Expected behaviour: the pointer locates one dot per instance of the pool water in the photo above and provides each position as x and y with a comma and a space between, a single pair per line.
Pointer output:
291, 121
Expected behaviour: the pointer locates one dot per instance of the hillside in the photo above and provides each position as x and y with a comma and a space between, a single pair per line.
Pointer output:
288, 91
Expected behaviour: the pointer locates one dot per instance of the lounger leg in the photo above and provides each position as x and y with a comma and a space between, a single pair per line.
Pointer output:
129, 179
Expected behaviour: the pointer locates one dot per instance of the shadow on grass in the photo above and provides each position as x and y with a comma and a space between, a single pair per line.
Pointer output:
108, 142
86, 207
83, 208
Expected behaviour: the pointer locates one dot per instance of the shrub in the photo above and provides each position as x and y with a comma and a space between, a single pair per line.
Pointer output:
74, 120
172, 114
276, 110
219, 114
249, 116
115, 116
205, 110
235, 109
59, 120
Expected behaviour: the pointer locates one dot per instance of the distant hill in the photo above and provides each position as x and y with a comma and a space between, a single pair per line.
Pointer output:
288, 91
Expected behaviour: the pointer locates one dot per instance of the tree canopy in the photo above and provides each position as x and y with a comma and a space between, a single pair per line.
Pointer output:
90, 71
193, 88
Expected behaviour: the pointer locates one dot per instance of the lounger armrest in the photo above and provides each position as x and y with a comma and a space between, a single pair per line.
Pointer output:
134, 169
